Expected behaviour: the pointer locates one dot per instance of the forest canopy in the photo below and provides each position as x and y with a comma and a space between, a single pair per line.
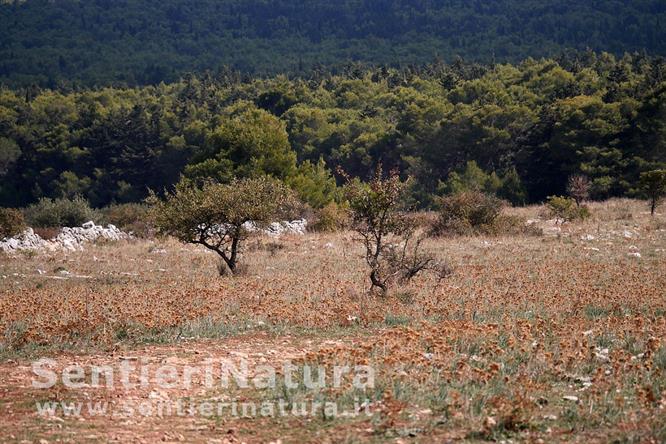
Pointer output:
516, 130
54, 43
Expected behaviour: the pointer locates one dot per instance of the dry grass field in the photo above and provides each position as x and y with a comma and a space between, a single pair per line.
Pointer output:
553, 338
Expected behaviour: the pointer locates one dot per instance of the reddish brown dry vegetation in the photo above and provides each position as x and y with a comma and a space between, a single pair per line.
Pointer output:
538, 339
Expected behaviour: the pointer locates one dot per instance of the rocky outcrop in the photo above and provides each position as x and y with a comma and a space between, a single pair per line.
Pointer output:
27, 240
276, 229
71, 239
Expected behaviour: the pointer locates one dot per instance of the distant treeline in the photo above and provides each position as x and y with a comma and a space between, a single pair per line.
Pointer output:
127, 43
527, 128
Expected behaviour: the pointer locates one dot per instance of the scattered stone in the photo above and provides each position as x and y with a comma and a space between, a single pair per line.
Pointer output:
635, 254
586, 385
570, 398
602, 354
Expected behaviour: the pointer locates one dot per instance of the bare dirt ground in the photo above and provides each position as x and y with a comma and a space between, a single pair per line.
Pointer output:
533, 339
19, 422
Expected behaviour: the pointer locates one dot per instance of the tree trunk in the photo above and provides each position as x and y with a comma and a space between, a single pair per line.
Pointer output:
234, 254
227, 265
653, 207
376, 282
223, 269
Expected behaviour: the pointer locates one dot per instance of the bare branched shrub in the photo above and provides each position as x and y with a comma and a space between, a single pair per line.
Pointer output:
408, 260
215, 215
578, 187
392, 245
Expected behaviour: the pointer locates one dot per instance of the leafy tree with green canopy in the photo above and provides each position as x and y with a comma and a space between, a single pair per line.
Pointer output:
314, 184
653, 186
9, 153
251, 143
214, 215
512, 188
507, 186
534, 124
472, 178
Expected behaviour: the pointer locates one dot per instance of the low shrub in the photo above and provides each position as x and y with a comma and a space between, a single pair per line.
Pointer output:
469, 213
15, 336
422, 219
260, 244
331, 218
294, 209
12, 222
566, 209
507, 225
60, 213
129, 217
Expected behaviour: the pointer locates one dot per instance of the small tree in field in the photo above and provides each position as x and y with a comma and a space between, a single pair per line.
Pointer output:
391, 249
578, 187
214, 215
565, 209
653, 185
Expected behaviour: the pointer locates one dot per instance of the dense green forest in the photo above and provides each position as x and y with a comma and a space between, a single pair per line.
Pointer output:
73, 43
523, 129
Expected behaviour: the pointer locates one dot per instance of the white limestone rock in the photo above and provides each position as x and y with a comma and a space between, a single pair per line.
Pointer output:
70, 239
